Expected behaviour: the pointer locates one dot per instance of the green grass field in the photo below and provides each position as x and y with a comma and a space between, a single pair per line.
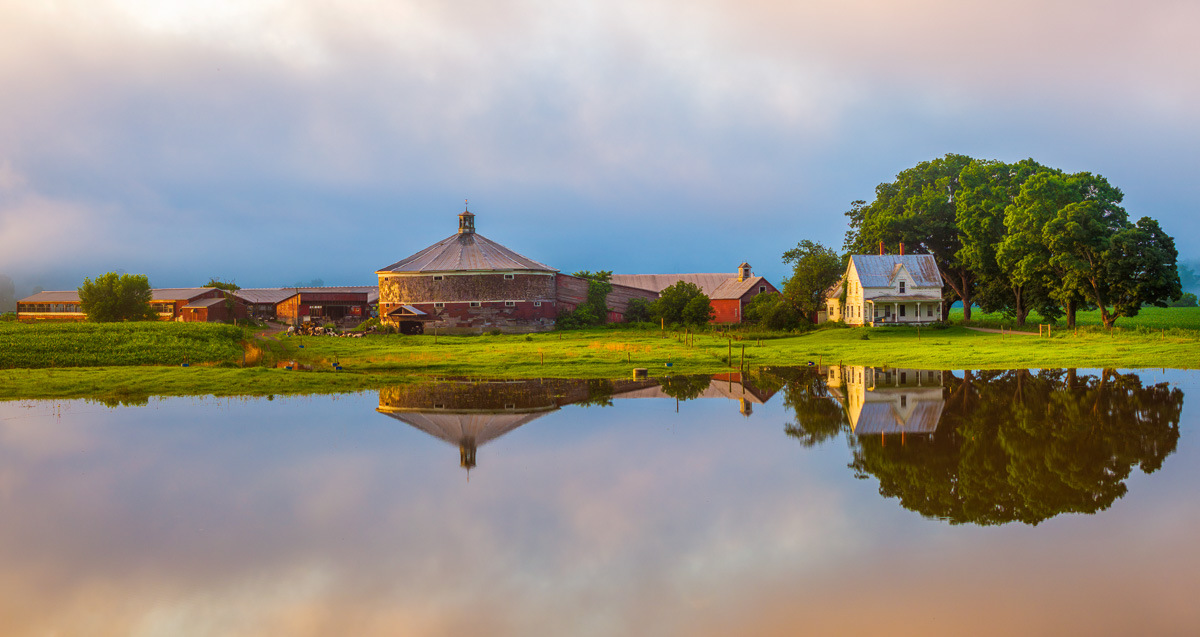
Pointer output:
379, 360
1148, 319
107, 344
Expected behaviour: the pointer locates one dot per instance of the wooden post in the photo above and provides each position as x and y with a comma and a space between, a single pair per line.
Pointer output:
729, 356
542, 355
742, 365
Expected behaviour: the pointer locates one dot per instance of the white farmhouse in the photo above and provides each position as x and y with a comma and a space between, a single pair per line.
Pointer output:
888, 289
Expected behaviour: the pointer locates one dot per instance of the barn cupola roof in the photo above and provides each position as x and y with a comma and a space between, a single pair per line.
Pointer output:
466, 221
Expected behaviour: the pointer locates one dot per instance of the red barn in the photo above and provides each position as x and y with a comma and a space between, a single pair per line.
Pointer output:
728, 295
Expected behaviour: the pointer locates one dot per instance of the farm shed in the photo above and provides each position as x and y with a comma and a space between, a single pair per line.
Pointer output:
470, 284
213, 309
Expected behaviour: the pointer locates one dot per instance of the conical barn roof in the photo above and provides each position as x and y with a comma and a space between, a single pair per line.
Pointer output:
466, 251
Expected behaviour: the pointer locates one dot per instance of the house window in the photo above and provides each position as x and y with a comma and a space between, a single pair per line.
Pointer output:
508, 277
903, 377
476, 304
903, 400
929, 311
438, 277
902, 287
510, 304
902, 308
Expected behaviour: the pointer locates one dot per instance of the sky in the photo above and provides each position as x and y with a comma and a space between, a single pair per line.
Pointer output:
274, 142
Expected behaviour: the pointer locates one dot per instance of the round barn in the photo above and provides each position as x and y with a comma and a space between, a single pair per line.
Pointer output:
467, 283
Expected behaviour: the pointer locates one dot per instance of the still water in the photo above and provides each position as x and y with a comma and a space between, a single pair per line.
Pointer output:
797, 501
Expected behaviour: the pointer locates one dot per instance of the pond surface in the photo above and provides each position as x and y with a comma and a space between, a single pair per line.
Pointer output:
800, 501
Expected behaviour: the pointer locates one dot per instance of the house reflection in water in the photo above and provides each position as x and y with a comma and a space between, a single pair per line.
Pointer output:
888, 401
471, 413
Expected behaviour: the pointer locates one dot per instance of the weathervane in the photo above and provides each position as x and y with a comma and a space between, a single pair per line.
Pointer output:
466, 207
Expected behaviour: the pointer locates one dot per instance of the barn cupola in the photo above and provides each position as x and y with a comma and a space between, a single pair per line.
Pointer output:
466, 222
743, 272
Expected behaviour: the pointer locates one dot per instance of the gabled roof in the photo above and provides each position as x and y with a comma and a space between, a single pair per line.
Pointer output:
52, 296
878, 271
734, 289
177, 294
466, 251
708, 283
199, 303
265, 295
156, 294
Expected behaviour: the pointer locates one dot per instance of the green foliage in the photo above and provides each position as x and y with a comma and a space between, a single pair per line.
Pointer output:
101, 344
679, 304
772, 311
112, 297
12, 316
228, 286
1186, 300
593, 311
815, 269
698, 311
638, 311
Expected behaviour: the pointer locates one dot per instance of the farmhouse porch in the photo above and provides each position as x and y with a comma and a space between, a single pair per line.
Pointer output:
904, 310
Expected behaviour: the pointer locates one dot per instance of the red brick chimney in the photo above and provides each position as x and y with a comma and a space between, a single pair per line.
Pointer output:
901, 248
880, 248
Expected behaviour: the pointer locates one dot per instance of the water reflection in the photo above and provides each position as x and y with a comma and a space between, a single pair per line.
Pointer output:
990, 447
469, 413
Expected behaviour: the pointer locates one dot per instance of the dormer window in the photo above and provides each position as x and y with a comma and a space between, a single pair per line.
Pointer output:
902, 287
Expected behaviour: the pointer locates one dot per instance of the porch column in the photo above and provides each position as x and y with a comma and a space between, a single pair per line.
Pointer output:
896, 312
918, 311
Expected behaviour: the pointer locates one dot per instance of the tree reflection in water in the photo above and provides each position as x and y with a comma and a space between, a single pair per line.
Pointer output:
1010, 446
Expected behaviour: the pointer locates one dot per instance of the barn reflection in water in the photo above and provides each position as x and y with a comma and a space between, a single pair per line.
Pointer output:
469, 413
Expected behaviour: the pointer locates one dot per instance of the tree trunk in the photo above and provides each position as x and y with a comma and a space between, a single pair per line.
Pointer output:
962, 289
1070, 307
1019, 307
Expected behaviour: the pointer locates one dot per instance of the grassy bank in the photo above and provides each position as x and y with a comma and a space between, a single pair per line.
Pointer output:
380, 360
107, 344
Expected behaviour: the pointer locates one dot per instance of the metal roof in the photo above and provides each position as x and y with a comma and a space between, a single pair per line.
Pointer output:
216, 300
466, 251
708, 283
49, 296
278, 295
156, 294
879, 271
884, 418
734, 289
903, 299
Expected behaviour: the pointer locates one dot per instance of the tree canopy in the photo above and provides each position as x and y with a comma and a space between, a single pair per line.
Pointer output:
116, 297
815, 269
1020, 237
228, 286
684, 303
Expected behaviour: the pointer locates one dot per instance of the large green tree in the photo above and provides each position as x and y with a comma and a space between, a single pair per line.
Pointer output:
919, 210
117, 297
673, 303
594, 310
1011, 282
815, 269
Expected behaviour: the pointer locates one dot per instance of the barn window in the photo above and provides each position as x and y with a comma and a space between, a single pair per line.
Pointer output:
902, 287
508, 277
476, 304
510, 304
762, 288
438, 277
537, 303
438, 306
